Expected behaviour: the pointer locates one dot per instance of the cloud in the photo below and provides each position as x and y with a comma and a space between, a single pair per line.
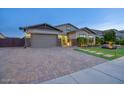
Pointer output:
107, 25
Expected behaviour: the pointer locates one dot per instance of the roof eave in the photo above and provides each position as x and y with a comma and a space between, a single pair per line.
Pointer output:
33, 26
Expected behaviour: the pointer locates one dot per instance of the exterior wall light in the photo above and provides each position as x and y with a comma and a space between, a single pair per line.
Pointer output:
28, 35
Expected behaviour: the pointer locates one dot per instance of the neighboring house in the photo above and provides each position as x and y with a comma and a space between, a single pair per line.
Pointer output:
2, 36
99, 33
120, 34
45, 35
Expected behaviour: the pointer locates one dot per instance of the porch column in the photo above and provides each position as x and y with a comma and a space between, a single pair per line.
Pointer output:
27, 39
94, 40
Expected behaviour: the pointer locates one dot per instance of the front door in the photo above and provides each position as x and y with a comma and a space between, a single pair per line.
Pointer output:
65, 42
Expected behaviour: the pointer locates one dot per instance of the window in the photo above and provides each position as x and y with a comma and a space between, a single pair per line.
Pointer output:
82, 35
90, 36
68, 29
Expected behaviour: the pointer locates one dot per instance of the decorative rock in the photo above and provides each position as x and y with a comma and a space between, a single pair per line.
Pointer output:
108, 55
99, 53
92, 51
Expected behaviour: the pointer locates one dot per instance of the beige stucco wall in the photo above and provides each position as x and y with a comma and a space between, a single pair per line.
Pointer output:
76, 34
81, 32
65, 28
72, 35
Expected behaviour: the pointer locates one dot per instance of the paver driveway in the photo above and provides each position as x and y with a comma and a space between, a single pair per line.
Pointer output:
34, 65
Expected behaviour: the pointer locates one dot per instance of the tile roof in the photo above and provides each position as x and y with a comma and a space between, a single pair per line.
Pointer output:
39, 25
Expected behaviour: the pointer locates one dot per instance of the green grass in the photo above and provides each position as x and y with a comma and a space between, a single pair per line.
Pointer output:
117, 53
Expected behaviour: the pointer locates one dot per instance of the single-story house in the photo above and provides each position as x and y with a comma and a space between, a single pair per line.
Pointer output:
120, 34
45, 35
2, 36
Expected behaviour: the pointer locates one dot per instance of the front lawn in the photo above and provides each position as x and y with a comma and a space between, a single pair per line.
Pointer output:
103, 53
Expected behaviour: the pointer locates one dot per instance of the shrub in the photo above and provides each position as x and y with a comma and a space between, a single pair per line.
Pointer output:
99, 41
122, 41
82, 41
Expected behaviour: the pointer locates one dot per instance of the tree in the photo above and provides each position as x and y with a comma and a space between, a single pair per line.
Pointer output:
110, 35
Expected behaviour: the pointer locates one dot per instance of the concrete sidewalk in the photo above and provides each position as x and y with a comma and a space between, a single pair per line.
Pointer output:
111, 72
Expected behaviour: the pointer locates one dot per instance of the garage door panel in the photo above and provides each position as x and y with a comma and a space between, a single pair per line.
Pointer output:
39, 40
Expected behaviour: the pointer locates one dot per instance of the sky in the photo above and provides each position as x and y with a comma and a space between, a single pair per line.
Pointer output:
95, 18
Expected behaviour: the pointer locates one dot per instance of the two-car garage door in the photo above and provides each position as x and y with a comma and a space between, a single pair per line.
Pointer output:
43, 40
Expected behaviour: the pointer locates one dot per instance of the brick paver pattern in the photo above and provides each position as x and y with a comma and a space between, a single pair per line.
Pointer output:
34, 65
